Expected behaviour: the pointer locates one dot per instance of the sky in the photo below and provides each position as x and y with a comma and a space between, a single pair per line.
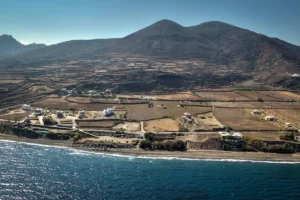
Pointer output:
54, 21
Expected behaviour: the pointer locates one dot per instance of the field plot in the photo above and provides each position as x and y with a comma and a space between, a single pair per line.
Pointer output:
286, 115
291, 95
95, 124
60, 103
15, 116
209, 120
256, 95
161, 125
275, 94
161, 109
241, 119
13, 81
41, 89
266, 136
79, 99
179, 96
222, 96
129, 126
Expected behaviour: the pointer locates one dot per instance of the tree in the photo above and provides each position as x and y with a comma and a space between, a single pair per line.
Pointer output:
146, 144
150, 136
49, 121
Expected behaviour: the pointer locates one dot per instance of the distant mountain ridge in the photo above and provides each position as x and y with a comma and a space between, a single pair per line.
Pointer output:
9, 46
213, 42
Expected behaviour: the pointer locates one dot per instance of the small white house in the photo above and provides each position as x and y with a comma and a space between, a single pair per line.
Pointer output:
38, 111
255, 112
224, 133
270, 118
237, 135
82, 113
296, 75
288, 125
26, 107
117, 100
108, 112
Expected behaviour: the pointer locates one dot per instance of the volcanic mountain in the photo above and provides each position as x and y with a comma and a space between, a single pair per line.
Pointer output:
213, 42
9, 46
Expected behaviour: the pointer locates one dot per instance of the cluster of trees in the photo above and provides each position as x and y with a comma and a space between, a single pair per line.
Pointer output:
49, 121
150, 143
286, 148
289, 136
59, 136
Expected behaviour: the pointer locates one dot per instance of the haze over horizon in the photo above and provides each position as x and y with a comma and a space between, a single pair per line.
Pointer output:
62, 20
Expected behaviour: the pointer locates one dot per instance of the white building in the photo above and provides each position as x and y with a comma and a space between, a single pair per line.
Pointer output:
255, 112
270, 118
108, 112
38, 111
237, 135
26, 107
296, 75
224, 133
82, 113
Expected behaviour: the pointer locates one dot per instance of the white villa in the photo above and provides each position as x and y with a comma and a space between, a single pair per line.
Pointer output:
26, 107
270, 118
108, 112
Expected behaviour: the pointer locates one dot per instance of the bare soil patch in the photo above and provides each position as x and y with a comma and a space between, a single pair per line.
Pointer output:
95, 124
178, 96
256, 95
223, 96
60, 103
291, 95
161, 125
267, 136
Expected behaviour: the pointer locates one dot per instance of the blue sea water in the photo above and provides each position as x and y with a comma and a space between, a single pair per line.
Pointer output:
40, 172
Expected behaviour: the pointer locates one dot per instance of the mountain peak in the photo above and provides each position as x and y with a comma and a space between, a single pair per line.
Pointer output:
163, 28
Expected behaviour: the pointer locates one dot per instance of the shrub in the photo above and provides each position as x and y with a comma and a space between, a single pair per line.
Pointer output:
227, 147
146, 144
150, 136
52, 136
49, 121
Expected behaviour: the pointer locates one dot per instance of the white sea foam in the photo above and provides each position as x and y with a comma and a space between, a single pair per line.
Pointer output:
105, 154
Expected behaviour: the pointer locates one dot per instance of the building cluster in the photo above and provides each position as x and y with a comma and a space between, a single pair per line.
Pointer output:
187, 118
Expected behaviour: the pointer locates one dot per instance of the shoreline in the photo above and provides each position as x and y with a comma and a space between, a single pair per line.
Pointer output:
191, 154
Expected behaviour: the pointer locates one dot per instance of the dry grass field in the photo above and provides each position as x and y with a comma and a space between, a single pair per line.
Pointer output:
241, 119
129, 126
286, 115
178, 96
290, 94
256, 95
268, 104
275, 94
79, 99
95, 124
13, 81
15, 116
223, 96
41, 89
143, 112
161, 125
267, 136
60, 103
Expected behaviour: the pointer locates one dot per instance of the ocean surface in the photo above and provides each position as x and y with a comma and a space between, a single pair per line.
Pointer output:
42, 172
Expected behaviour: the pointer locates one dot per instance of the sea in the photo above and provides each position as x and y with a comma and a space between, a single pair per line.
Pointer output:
37, 172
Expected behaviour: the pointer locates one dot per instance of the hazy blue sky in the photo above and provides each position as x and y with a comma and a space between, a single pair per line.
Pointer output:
54, 21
